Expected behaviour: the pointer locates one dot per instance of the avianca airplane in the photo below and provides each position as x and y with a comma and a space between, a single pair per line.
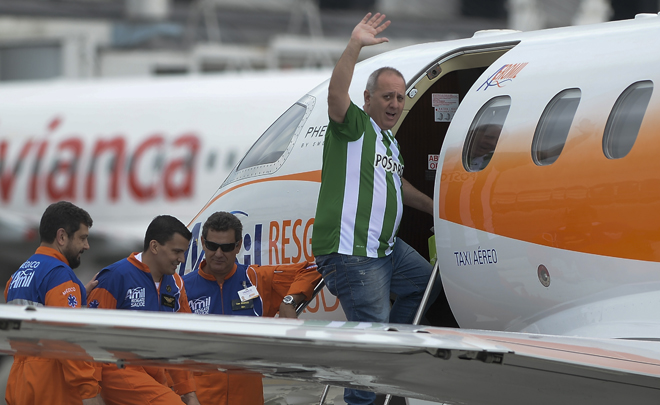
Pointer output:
127, 150
540, 150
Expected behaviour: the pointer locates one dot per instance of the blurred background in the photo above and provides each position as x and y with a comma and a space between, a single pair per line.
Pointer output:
80, 39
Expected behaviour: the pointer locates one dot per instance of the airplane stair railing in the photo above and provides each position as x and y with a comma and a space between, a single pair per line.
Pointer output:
301, 307
418, 318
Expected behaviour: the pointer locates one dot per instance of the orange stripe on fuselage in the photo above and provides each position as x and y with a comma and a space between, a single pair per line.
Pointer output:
582, 202
313, 176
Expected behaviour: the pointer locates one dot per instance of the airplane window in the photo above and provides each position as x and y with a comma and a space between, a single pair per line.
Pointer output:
625, 119
552, 129
484, 133
272, 144
210, 160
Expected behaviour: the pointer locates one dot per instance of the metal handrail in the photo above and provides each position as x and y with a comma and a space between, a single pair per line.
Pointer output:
420, 310
301, 307
418, 318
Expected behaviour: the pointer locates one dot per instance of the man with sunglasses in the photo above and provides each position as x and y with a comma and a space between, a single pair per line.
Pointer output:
220, 286
147, 281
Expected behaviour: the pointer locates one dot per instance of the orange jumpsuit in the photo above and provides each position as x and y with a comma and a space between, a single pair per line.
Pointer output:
273, 283
128, 284
46, 279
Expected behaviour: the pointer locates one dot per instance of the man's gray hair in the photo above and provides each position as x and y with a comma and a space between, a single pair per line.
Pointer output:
373, 78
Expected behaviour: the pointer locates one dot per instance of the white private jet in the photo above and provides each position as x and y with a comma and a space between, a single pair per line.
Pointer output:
540, 151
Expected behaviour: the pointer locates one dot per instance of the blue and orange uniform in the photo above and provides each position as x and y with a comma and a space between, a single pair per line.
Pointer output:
46, 279
128, 284
207, 296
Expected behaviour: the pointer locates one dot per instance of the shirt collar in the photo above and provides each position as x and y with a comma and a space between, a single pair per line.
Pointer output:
49, 251
136, 261
211, 277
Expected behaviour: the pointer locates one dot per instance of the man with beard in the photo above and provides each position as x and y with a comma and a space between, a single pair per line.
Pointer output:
47, 279
147, 281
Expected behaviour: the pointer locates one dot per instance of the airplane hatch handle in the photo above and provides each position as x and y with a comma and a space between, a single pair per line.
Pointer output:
434, 71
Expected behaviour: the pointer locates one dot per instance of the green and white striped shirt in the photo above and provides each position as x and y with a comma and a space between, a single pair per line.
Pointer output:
360, 201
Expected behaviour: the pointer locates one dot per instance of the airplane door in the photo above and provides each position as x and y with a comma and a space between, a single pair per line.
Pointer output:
430, 103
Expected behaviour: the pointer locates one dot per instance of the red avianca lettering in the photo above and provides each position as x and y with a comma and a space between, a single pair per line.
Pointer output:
170, 165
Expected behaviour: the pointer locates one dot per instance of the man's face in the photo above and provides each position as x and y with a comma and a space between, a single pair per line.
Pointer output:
75, 246
385, 104
219, 263
171, 254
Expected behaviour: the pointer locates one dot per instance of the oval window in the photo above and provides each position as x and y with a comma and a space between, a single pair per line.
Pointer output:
552, 129
484, 133
625, 119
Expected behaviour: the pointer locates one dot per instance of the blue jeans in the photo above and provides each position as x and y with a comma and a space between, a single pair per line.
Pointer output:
363, 286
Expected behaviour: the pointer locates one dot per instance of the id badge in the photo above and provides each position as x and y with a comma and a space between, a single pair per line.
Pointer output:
249, 293
237, 305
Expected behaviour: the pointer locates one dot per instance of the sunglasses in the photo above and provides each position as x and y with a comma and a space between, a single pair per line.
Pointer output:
225, 247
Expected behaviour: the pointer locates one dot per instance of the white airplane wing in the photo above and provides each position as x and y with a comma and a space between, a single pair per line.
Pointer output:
447, 365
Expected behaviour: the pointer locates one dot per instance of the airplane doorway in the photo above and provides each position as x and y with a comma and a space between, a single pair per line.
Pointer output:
420, 134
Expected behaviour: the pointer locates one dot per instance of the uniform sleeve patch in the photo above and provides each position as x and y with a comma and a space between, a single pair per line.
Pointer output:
72, 301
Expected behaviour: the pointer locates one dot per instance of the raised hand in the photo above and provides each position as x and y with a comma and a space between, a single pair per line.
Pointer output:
364, 34
370, 26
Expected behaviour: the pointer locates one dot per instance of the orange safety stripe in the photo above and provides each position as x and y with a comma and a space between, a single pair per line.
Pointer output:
105, 299
183, 297
59, 296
